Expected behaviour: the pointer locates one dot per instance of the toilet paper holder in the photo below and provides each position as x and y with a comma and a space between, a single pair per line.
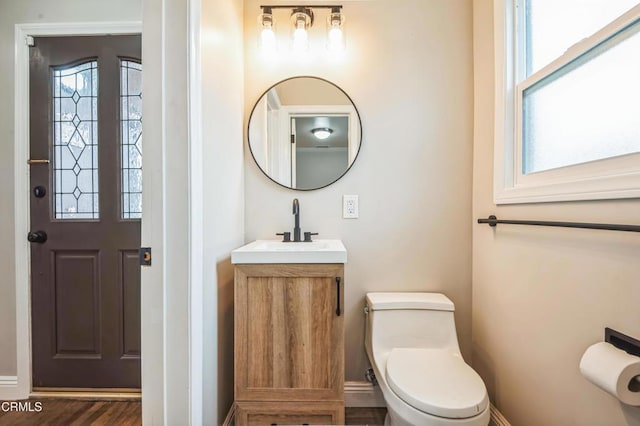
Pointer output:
622, 341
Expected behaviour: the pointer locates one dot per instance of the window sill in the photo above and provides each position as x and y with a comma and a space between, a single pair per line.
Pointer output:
619, 186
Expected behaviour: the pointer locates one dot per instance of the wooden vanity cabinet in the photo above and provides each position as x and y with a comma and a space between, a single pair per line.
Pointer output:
289, 344
289, 413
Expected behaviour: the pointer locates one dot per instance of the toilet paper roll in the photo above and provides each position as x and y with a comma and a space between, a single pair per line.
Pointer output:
613, 370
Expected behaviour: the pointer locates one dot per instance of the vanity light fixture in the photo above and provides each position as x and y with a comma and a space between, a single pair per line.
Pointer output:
302, 18
267, 31
335, 31
301, 21
322, 132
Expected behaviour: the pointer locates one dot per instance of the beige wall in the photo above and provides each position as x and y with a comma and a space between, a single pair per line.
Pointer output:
310, 92
541, 296
11, 13
408, 69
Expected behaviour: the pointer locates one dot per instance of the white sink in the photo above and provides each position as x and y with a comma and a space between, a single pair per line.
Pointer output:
275, 251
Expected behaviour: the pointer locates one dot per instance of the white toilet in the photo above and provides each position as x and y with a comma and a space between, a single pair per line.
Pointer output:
412, 345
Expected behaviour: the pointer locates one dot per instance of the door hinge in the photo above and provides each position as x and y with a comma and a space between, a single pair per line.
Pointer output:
293, 138
29, 41
145, 256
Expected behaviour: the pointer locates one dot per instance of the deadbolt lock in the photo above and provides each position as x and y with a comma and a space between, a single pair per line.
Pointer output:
145, 256
39, 191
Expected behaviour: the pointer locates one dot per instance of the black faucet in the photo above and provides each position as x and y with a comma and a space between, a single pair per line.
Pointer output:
296, 214
286, 236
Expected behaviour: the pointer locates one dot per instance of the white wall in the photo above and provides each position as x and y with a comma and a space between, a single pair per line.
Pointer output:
167, 284
33, 11
315, 167
408, 68
195, 215
222, 193
541, 296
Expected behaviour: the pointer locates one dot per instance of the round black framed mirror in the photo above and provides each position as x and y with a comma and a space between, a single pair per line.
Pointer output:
304, 133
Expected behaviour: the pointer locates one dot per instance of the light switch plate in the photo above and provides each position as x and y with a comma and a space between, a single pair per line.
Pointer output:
350, 207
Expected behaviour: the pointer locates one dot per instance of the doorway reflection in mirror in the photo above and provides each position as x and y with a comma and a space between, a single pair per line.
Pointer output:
285, 128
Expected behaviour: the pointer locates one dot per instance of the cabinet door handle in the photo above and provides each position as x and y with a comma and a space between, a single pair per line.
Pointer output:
338, 295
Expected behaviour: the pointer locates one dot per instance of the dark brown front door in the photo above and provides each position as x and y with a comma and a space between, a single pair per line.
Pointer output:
85, 97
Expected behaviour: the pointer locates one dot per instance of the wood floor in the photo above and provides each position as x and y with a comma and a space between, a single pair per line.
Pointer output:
365, 416
62, 412
58, 412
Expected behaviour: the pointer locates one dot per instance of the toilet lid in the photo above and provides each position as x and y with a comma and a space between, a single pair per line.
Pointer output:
436, 381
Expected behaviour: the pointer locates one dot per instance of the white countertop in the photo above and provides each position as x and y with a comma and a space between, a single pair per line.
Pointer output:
276, 251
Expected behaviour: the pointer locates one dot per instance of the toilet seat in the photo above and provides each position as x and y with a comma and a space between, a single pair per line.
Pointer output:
437, 382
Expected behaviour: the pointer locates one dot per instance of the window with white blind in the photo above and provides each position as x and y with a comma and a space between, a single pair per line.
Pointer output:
567, 100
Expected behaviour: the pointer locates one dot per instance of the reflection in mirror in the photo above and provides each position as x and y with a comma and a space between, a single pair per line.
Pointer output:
304, 133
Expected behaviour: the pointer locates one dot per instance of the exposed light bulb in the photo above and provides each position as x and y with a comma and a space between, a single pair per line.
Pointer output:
268, 40
301, 21
335, 31
335, 40
267, 35
300, 37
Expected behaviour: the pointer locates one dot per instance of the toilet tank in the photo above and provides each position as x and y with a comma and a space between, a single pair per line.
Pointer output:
409, 320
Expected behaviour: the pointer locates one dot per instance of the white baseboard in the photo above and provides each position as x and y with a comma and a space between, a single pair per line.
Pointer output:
362, 394
497, 419
8, 381
9, 388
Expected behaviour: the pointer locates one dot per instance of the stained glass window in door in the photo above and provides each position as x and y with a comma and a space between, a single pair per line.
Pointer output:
131, 137
75, 141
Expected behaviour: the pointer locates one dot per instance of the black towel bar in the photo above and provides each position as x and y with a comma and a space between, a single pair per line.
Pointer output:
493, 221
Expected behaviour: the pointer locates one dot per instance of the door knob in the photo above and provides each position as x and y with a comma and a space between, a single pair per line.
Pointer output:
39, 191
37, 237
